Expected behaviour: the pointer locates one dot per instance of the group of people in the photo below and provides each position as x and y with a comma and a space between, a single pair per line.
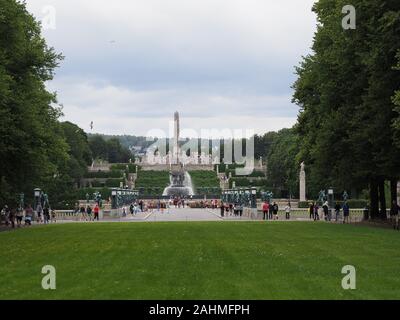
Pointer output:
316, 212
15, 216
270, 211
87, 213
232, 209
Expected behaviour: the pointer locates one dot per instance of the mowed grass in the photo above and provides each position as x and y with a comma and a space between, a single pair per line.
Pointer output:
211, 260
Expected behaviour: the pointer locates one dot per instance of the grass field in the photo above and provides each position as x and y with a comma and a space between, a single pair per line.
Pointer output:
212, 260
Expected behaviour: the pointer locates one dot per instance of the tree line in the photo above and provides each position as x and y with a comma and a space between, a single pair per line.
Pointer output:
348, 126
37, 150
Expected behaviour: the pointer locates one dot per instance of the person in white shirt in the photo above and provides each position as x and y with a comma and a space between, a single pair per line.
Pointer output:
288, 209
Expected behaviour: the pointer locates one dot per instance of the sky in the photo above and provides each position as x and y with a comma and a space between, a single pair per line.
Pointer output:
223, 64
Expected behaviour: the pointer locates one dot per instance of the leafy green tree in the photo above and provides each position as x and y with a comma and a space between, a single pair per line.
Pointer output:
282, 162
98, 147
344, 90
117, 153
32, 144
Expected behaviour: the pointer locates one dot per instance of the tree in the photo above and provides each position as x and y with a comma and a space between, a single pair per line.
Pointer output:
116, 153
98, 147
344, 90
282, 162
32, 145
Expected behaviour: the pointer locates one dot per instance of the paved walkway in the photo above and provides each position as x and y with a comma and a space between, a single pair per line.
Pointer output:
183, 214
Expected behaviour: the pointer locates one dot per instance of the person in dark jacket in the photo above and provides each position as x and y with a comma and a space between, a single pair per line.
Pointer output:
337, 211
275, 210
311, 211
346, 212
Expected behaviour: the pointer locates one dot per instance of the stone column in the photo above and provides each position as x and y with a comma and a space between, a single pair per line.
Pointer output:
302, 183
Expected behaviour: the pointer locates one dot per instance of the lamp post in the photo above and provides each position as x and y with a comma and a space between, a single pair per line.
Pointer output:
331, 197
113, 198
37, 194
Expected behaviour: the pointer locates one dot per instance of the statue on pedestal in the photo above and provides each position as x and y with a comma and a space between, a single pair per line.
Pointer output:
302, 182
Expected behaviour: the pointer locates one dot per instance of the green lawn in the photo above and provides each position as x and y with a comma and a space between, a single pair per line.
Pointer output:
212, 260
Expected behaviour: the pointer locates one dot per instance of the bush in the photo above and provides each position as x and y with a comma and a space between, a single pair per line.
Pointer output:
204, 179
104, 174
113, 183
152, 179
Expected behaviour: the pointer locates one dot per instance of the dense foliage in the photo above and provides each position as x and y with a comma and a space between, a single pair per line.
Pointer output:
345, 91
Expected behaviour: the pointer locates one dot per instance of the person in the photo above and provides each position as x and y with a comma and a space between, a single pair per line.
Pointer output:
141, 205
275, 210
124, 211
337, 211
53, 216
28, 215
39, 211
235, 210
288, 209
316, 212
96, 212
346, 212
89, 212
240, 207
82, 213
46, 215
394, 214
222, 208
265, 209
131, 209
20, 216
311, 211
325, 207
12, 216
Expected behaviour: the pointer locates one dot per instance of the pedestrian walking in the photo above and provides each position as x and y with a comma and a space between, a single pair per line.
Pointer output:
46, 215
265, 209
89, 212
222, 208
311, 211
316, 212
96, 212
325, 207
288, 209
13, 214
337, 211
53, 216
275, 210
39, 212
346, 212
20, 216
28, 215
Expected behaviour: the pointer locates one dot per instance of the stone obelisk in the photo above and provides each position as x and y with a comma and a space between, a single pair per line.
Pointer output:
176, 139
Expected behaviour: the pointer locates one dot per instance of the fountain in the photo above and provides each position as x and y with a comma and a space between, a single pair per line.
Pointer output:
180, 180
180, 183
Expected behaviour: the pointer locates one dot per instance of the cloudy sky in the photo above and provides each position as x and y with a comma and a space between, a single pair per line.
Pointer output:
129, 64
